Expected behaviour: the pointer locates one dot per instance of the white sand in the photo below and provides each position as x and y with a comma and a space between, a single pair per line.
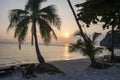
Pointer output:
75, 70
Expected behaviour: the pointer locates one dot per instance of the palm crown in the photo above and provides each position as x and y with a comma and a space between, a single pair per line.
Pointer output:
44, 18
86, 48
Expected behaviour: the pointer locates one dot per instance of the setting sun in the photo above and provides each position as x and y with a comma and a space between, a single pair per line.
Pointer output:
66, 35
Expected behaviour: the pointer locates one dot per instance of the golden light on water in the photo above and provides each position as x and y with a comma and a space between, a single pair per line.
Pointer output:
66, 54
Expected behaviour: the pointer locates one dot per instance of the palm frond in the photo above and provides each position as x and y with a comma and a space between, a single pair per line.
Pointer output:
80, 42
74, 48
22, 36
87, 47
77, 33
49, 14
18, 30
78, 48
98, 50
33, 4
21, 29
85, 52
46, 30
95, 36
21, 25
14, 17
54, 34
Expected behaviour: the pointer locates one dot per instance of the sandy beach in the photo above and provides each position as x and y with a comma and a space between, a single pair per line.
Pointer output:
74, 70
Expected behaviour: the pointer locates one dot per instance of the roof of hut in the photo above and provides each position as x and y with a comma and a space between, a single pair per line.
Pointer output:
107, 41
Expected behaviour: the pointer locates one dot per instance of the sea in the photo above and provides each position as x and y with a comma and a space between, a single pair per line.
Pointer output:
11, 55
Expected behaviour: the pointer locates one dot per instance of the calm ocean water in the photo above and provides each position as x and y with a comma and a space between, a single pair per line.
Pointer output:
10, 54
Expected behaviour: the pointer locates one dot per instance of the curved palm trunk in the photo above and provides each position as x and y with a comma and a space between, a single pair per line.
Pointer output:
39, 56
85, 37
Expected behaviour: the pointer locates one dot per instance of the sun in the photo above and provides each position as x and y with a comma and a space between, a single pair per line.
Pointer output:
66, 35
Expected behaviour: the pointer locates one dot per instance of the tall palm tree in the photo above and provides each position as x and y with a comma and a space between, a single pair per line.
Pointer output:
43, 18
81, 47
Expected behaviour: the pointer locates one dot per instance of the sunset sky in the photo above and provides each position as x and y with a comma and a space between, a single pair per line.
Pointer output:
68, 26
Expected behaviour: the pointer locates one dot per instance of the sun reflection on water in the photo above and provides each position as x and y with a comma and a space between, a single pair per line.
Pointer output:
66, 53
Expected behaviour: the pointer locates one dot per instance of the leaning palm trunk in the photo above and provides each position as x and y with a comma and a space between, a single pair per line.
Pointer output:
39, 56
85, 37
80, 27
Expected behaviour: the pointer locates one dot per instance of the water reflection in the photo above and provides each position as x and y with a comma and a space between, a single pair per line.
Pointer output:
66, 53
73, 55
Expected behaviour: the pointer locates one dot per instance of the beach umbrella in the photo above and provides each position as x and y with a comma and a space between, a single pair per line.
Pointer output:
107, 41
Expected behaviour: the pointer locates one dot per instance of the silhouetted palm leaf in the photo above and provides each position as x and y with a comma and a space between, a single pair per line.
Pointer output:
98, 50
22, 36
49, 14
45, 31
21, 25
95, 36
33, 5
15, 16
85, 48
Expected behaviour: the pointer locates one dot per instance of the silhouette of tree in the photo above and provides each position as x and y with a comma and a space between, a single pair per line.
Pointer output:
87, 41
94, 11
43, 17
89, 50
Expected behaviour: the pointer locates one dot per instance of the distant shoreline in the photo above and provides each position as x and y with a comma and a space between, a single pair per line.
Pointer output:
30, 43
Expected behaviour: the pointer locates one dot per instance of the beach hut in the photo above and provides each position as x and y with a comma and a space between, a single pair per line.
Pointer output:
107, 41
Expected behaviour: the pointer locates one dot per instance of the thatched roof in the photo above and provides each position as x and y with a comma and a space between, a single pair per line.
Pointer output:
107, 41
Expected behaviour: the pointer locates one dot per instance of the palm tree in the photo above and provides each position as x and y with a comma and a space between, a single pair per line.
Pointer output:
89, 50
86, 39
90, 10
34, 14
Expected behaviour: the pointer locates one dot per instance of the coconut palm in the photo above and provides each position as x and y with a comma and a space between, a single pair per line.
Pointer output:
89, 50
43, 18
